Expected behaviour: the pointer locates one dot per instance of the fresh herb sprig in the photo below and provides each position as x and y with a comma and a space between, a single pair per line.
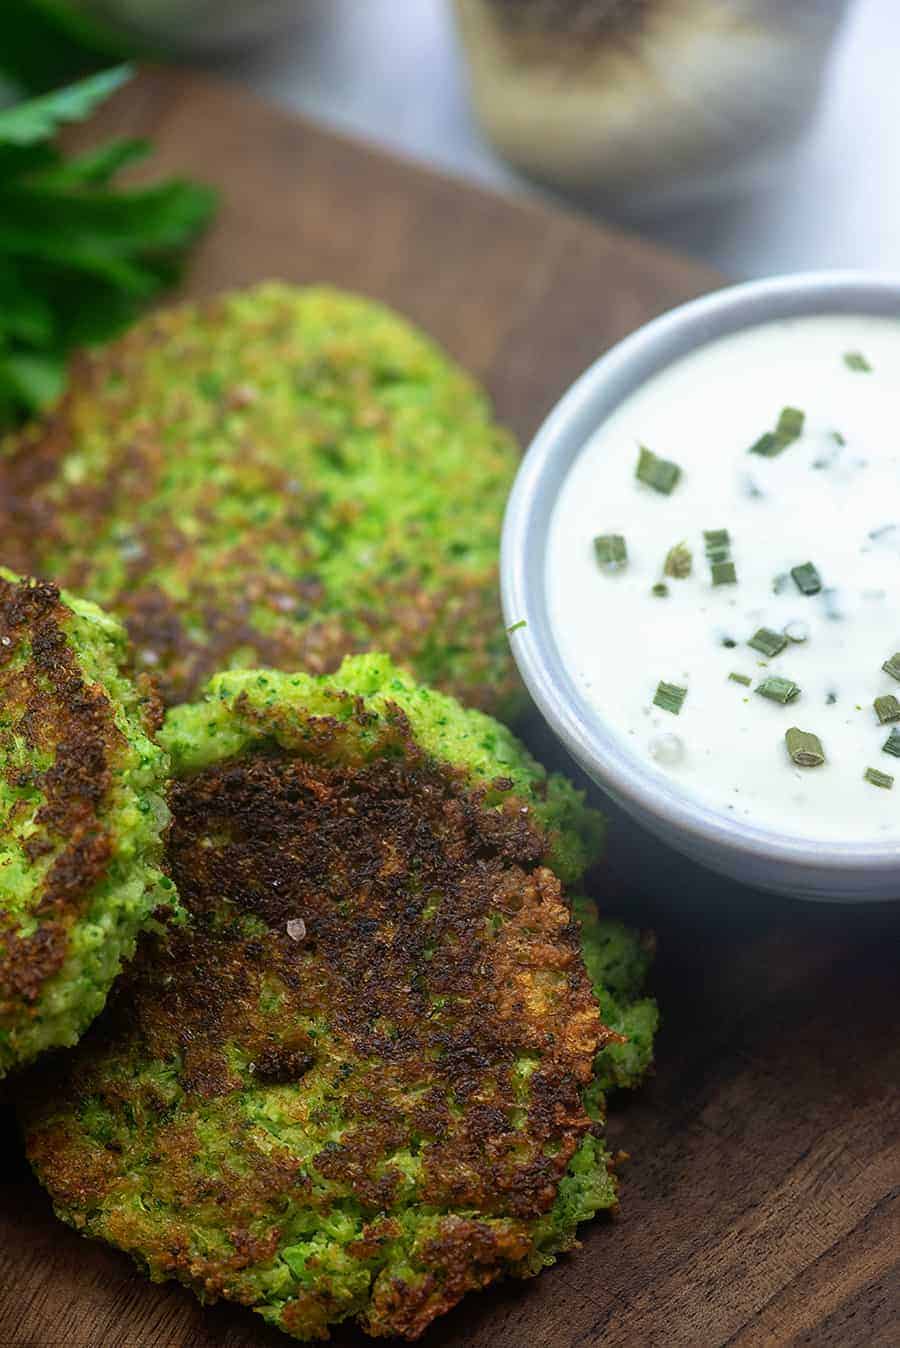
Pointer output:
47, 43
79, 258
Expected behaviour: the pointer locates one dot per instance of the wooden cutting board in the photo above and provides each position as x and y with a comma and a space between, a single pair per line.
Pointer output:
761, 1203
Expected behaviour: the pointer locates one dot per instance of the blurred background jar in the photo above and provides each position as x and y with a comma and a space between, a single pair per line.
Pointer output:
647, 103
197, 26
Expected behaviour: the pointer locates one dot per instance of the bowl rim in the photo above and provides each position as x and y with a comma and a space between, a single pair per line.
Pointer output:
558, 441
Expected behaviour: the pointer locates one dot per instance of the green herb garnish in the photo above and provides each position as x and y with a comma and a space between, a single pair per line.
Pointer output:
887, 708
807, 578
679, 561
768, 642
790, 424
610, 551
729, 643
778, 689
892, 743
855, 360
741, 678
79, 259
660, 589
892, 666
804, 747
788, 429
883, 779
767, 445
660, 474
717, 544
670, 697
515, 627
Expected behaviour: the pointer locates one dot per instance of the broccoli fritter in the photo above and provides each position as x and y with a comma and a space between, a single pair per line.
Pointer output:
279, 477
81, 816
360, 1084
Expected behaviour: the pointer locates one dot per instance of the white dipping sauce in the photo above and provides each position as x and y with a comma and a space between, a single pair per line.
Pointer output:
835, 505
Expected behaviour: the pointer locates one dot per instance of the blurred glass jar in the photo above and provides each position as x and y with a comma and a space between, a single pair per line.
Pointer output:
197, 25
650, 102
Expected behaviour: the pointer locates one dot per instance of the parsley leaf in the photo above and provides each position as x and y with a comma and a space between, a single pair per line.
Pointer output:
79, 256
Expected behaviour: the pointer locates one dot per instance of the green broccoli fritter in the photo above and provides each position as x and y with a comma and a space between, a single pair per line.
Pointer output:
279, 477
81, 816
360, 1082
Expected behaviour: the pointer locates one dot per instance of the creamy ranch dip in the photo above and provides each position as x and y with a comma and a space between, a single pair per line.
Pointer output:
830, 497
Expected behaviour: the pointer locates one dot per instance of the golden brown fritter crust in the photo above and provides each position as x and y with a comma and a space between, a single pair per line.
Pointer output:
380, 1016
72, 740
275, 478
69, 738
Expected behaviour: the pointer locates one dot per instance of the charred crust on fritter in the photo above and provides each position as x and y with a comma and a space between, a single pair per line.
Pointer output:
437, 952
49, 705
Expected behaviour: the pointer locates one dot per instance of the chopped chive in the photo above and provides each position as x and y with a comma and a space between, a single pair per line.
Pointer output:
790, 424
804, 747
892, 743
741, 678
514, 627
670, 697
660, 589
767, 445
779, 583
883, 779
788, 429
717, 544
807, 578
729, 643
830, 699
714, 539
778, 689
838, 438
610, 551
892, 666
679, 561
855, 360
887, 708
768, 642
660, 474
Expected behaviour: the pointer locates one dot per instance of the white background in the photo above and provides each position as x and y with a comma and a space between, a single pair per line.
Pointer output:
391, 70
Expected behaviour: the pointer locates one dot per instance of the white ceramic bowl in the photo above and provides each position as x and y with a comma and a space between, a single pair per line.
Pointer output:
749, 854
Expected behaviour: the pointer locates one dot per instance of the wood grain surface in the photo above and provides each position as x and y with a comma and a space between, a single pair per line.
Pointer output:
761, 1205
